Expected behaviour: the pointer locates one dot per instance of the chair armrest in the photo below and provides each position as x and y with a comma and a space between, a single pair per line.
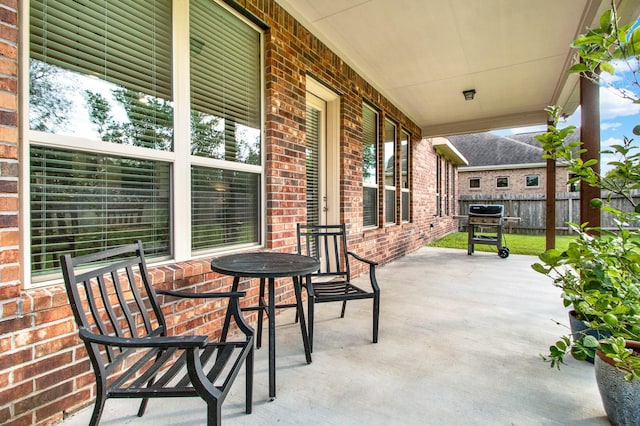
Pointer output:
362, 259
234, 294
233, 309
183, 342
372, 270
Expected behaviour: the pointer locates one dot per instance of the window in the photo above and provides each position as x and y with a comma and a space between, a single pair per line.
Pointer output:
474, 183
404, 175
112, 149
502, 182
532, 181
389, 171
438, 185
370, 125
225, 125
447, 192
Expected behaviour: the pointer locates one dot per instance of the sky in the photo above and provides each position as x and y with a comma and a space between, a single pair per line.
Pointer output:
618, 117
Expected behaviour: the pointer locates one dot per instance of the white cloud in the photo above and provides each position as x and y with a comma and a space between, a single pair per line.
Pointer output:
613, 105
610, 141
610, 125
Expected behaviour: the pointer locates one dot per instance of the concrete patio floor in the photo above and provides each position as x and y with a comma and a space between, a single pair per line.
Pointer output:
459, 342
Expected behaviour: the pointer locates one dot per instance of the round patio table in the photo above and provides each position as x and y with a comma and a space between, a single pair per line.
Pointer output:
269, 266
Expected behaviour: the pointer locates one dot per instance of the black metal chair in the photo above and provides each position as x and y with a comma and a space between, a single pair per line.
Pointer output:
332, 282
124, 331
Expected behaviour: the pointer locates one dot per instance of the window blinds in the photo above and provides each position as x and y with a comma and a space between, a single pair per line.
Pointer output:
124, 42
225, 66
313, 164
82, 202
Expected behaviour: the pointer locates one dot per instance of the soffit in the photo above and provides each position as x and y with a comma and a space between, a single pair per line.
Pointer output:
421, 55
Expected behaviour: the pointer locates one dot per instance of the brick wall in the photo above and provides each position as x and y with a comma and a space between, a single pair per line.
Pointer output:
44, 372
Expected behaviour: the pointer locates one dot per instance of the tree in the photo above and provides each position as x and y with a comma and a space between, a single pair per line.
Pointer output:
49, 103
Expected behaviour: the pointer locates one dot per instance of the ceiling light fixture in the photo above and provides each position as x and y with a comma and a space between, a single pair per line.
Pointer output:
469, 94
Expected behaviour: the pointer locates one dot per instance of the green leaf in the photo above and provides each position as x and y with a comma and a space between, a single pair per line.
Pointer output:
608, 68
590, 342
605, 20
579, 68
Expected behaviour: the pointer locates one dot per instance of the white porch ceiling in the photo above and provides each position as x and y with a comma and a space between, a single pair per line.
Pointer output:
421, 54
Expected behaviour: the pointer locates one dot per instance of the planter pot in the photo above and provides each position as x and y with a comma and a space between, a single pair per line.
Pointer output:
580, 328
620, 398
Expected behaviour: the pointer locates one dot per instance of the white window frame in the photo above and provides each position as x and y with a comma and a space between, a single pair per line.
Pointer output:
474, 188
406, 190
503, 187
389, 188
180, 159
526, 181
375, 185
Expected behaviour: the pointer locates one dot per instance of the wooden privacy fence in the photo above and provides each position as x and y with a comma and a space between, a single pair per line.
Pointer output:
531, 209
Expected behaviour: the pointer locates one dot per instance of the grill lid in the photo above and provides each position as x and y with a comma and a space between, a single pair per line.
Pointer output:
493, 210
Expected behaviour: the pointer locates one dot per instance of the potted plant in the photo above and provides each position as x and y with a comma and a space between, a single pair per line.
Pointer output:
599, 273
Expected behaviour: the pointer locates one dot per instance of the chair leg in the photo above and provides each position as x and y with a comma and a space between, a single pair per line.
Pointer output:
249, 382
344, 306
98, 407
376, 317
310, 303
214, 413
143, 406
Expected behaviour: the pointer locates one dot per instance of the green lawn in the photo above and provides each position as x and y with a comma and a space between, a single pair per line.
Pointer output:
517, 244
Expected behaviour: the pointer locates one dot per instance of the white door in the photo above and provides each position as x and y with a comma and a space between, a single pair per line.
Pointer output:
316, 160
322, 149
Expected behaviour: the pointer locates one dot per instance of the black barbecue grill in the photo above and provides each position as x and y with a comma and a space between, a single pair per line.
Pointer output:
484, 218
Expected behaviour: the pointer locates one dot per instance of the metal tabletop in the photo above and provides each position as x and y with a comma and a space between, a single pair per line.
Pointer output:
268, 266
265, 265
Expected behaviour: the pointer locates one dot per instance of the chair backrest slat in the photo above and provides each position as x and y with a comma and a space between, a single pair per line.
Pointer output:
118, 294
144, 313
328, 243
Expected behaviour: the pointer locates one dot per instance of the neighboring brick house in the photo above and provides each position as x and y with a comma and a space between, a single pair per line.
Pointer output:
500, 165
510, 170
243, 182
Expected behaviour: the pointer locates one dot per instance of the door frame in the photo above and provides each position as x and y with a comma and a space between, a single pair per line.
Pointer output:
331, 150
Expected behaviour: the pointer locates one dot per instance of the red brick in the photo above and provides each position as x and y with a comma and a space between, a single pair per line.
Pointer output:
55, 345
23, 420
8, 221
19, 391
9, 273
9, 16
8, 291
9, 135
39, 334
54, 314
9, 238
57, 410
5, 415
10, 4
38, 399
13, 325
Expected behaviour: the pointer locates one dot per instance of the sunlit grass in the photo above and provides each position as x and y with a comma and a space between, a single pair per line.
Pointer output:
517, 243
